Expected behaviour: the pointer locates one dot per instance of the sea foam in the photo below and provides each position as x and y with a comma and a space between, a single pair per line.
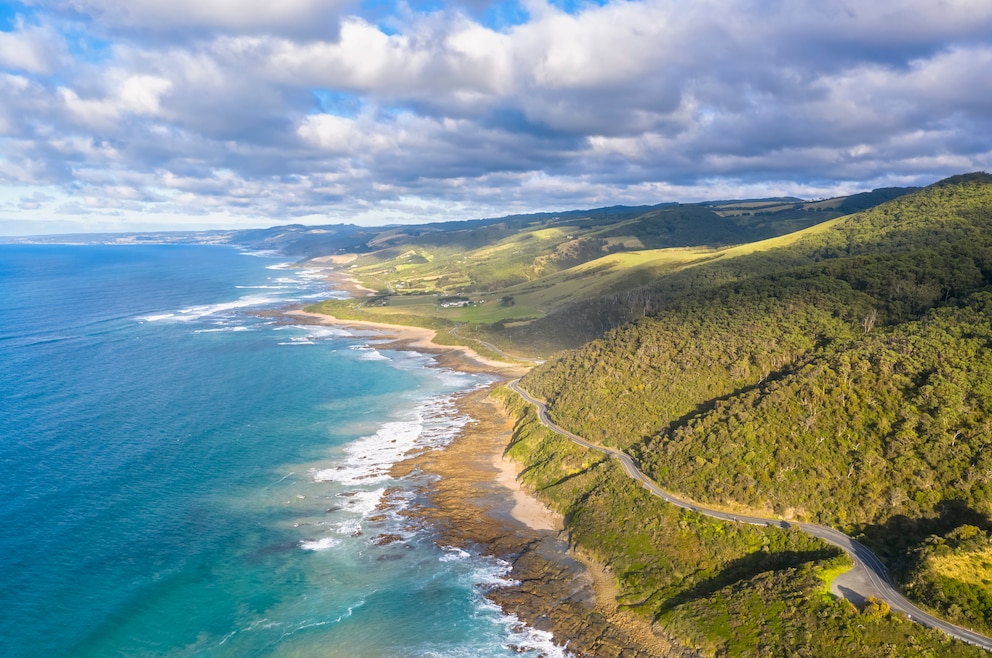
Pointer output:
320, 544
293, 285
368, 460
197, 312
237, 327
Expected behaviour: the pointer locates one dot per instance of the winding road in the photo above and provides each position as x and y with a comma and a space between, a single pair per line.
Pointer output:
864, 559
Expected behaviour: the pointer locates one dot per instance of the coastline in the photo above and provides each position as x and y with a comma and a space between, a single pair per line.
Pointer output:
337, 277
475, 501
420, 339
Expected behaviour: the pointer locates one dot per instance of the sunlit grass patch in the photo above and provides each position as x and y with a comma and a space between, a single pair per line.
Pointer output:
973, 567
830, 573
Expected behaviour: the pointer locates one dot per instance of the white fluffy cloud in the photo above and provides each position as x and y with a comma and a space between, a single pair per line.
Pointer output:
129, 96
312, 108
31, 49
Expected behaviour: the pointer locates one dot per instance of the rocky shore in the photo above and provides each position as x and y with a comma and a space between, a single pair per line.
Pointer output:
475, 505
475, 501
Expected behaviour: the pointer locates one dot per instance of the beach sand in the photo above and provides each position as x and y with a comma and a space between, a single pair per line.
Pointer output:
419, 339
526, 509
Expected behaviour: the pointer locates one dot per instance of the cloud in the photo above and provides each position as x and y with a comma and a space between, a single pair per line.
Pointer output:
322, 108
31, 49
306, 18
132, 95
34, 201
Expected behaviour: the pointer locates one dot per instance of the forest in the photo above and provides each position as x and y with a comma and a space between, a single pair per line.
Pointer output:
725, 589
844, 379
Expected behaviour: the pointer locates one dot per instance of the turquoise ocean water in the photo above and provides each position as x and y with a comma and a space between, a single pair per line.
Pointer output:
183, 477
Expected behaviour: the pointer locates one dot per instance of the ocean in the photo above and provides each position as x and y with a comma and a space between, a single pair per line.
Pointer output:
184, 476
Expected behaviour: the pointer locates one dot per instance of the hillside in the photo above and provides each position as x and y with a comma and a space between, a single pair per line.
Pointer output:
840, 376
781, 302
934, 221
493, 256
727, 589
836, 373
516, 270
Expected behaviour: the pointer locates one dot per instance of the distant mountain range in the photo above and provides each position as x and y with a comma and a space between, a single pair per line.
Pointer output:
309, 241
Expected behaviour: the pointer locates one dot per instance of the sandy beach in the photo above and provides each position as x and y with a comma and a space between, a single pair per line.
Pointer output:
526, 509
419, 339
340, 279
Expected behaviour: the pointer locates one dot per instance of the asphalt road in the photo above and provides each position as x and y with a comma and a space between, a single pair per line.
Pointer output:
863, 558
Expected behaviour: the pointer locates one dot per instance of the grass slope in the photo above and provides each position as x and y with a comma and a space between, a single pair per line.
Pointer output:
543, 263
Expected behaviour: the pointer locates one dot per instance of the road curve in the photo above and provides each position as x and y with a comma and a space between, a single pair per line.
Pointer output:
859, 553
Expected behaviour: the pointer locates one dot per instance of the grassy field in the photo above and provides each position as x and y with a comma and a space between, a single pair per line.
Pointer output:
414, 284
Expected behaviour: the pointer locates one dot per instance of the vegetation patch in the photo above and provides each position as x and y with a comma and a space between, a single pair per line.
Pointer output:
724, 588
828, 574
973, 568
953, 575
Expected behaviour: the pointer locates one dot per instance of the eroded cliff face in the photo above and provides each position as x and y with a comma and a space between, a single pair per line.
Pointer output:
554, 589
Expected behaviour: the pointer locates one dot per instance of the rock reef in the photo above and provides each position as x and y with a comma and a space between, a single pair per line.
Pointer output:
553, 587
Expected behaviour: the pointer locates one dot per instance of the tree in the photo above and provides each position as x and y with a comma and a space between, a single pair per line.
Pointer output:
875, 609
868, 323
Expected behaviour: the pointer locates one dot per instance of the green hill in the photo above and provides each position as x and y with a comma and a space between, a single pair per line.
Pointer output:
494, 256
517, 270
840, 376
773, 354
941, 220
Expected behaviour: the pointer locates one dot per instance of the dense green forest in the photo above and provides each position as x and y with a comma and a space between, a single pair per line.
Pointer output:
727, 589
845, 378
895, 423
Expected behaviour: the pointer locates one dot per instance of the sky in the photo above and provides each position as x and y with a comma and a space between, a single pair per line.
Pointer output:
140, 114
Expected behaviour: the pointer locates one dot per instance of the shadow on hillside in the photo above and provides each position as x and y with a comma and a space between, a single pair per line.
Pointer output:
709, 405
743, 569
570, 476
892, 540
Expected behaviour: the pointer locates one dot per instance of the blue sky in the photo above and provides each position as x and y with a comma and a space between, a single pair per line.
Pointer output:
130, 114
